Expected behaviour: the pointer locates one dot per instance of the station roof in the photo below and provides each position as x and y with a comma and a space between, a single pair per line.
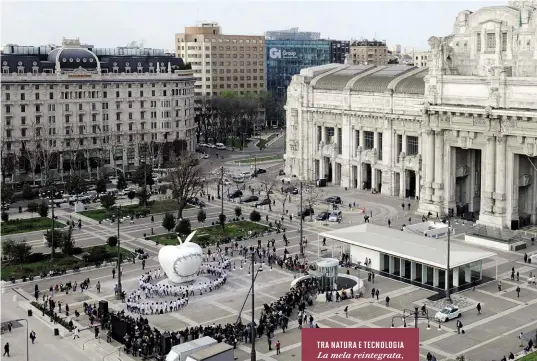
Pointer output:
425, 250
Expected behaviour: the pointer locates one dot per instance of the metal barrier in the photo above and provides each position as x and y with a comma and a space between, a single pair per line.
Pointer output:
119, 354
94, 339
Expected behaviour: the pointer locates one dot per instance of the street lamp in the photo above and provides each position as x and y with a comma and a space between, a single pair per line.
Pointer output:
119, 290
301, 224
27, 337
253, 354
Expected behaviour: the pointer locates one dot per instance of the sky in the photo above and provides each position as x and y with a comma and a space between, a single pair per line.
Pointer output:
117, 23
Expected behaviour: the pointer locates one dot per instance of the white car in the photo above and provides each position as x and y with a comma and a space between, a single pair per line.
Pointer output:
202, 145
238, 178
448, 313
211, 146
206, 156
227, 182
335, 216
220, 146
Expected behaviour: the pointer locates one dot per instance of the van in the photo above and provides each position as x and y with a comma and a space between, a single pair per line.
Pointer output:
220, 146
335, 216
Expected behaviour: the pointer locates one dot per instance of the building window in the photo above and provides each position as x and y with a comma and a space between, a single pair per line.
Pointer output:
491, 41
478, 41
357, 138
369, 140
399, 145
504, 41
380, 146
412, 145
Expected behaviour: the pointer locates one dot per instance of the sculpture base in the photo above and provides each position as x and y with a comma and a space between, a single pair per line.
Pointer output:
198, 283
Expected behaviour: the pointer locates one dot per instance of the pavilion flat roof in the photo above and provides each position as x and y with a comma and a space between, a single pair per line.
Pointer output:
425, 250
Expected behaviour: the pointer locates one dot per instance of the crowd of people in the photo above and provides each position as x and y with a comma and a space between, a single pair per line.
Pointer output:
142, 301
142, 340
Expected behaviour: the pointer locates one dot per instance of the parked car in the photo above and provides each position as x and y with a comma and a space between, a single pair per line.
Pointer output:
226, 182
250, 199
307, 212
238, 178
211, 146
333, 199
335, 216
235, 194
264, 202
448, 313
323, 216
292, 190
220, 146
202, 145
195, 201
260, 171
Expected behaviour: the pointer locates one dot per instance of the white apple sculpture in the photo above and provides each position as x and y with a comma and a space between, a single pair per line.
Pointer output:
181, 263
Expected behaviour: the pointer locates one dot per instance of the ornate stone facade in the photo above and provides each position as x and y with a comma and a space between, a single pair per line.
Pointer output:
460, 135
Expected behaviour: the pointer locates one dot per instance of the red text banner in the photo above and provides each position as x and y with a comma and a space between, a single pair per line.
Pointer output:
360, 343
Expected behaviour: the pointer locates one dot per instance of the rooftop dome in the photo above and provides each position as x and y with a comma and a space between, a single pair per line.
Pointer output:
74, 58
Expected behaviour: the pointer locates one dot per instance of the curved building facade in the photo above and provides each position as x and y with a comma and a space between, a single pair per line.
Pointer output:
76, 107
459, 135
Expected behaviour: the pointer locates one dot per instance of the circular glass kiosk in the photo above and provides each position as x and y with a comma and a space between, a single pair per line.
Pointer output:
326, 273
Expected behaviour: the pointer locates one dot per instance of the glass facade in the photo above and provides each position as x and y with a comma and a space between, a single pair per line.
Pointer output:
286, 58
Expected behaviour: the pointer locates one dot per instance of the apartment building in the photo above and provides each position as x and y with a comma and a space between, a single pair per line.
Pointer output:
95, 105
223, 62
421, 58
366, 52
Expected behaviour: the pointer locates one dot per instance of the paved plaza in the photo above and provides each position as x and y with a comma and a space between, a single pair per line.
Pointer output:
488, 336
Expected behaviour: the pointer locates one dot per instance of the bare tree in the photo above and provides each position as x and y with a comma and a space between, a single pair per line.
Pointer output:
205, 112
8, 159
281, 195
311, 196
268, 185
187, 180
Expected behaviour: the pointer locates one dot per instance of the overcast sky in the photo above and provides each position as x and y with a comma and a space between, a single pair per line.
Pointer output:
111, 24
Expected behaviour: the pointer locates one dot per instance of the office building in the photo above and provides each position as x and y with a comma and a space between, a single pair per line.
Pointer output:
339, 50
396, 49
459, 135
286, 58
91, 106
223, 62
365, 52
292, 34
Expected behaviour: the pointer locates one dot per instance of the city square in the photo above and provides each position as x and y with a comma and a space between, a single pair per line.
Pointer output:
174, 204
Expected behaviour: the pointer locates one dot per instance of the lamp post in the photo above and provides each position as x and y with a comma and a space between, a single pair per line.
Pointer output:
119, 290
253, 354
52, 233
27, 337
301, 223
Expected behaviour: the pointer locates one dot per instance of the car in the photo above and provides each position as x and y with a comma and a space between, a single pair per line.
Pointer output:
202, 145
206, 156
307, 212
220, 146
333, 199
448, 313
292, 190
238, 178
226, 182
211, 146
235, 194
250, 199
323, 216
260, 171
335, 216
245, 173
264, 202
